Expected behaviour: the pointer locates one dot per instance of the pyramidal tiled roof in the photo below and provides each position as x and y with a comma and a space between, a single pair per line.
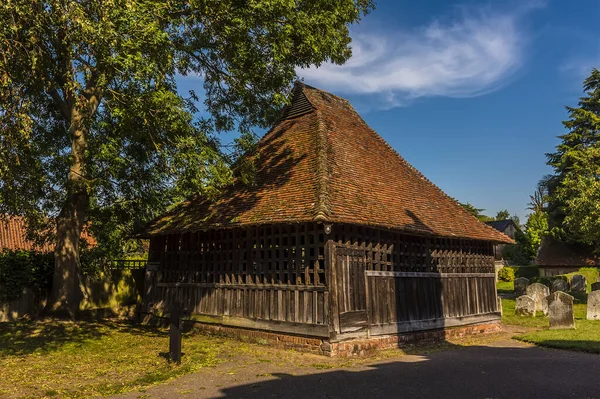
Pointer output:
322, 162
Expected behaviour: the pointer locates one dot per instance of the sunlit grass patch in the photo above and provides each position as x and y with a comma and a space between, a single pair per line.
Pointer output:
585, 337
82, 359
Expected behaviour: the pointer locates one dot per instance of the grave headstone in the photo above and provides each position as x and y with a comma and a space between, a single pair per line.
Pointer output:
596, 286
593, 305
578, 283
525, 306
539, 292
561, 311
499, 305
559, 285
521, 284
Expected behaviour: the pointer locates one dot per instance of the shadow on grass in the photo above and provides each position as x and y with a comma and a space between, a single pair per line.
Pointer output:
43, 336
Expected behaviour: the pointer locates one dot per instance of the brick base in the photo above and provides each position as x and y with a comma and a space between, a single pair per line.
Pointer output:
368, 346
282, 341
351, 348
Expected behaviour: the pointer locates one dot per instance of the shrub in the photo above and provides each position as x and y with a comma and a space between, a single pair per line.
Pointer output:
527, 271
507, 273
24, 269
590, 273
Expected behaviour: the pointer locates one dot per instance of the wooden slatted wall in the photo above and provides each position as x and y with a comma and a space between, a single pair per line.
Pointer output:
262, 273
417, 282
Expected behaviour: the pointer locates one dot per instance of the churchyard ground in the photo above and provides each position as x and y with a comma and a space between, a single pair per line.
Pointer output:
93, 359
585, 337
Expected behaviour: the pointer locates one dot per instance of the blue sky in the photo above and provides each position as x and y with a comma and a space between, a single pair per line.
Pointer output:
471, 93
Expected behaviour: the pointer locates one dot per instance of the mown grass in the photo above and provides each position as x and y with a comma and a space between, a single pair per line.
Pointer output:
82, 359
585, 337
505, 287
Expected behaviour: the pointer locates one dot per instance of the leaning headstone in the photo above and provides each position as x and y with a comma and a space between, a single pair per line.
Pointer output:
525, 306
559, 285
521, 284
539, 292
596, 286
561, 311
593, 305
578, 283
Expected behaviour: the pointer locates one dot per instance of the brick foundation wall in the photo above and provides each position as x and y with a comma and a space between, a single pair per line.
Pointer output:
351, 348
368, 346
282, 341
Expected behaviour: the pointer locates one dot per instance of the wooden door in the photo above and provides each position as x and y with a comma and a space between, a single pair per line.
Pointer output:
352, 298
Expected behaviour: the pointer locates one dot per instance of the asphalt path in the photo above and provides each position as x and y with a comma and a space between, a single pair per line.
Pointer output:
501, 369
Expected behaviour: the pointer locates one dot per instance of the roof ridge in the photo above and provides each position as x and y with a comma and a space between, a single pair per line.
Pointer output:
322, 208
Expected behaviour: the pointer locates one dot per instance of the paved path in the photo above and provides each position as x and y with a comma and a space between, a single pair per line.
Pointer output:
499, 369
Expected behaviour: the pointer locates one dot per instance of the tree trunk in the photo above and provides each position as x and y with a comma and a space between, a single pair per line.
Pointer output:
66, 295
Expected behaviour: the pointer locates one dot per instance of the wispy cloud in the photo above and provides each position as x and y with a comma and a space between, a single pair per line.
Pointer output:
465, 56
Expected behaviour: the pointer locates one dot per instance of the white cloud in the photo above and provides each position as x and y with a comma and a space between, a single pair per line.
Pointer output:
467, 56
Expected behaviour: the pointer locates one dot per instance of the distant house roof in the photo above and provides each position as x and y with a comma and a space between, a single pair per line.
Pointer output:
502, 225
13, 236
556, 253
322, 163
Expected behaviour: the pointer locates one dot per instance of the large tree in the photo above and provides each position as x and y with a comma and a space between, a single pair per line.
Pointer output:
92, 128
574, 202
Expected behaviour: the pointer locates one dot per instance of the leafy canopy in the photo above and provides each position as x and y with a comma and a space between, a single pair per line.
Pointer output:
574, 202
105, 71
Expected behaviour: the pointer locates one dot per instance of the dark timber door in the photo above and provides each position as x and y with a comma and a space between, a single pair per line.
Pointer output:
352, 298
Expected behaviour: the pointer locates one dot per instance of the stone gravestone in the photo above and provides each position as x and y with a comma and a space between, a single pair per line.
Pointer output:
578, 283
525, 306
539, 292
593, 305
561, 311
596, 286
499, 305
521, 284
560, 285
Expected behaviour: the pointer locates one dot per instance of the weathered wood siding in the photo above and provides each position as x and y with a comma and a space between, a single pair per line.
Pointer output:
408, 282
268, 277
296, 279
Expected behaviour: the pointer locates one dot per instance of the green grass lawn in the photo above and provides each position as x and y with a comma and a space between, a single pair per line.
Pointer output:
585, 337
505, 287
83, 359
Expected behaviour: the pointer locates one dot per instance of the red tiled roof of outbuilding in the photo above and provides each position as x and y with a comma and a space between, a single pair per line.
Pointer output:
13, 236
322, 162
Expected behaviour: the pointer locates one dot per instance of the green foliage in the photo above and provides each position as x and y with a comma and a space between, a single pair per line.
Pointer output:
506, 274
24, 269
523, 271
522, 253
502, 215
574, 202
527, 271
476, 212
90, 115
536, 227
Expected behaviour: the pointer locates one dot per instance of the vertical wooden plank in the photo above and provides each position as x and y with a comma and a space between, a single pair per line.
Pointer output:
296, 306
280, 305
330, 270
315, 308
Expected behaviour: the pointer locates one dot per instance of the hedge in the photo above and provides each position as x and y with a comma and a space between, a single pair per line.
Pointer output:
24, 269
509, 273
